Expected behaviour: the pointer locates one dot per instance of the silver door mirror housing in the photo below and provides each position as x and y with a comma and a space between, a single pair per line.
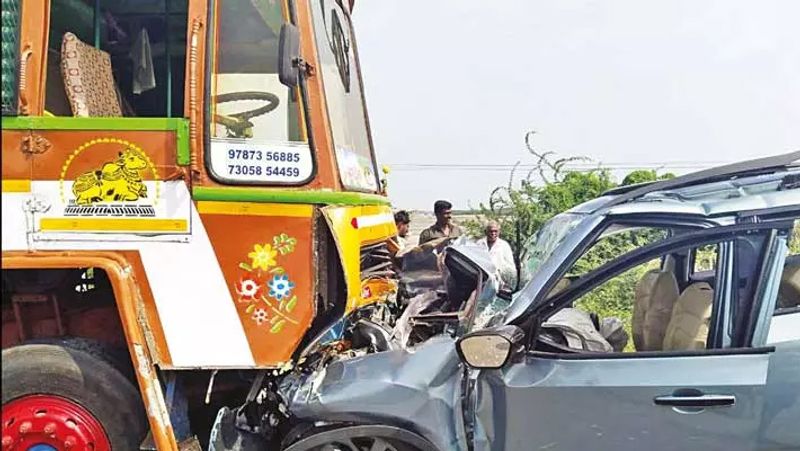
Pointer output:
489, 348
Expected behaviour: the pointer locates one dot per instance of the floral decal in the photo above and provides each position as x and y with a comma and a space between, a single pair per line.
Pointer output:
248, 289
280, 287
260, 316
263, 257
265, 286
284, 243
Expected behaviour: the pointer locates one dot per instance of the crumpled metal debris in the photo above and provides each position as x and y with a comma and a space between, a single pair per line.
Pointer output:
416, 305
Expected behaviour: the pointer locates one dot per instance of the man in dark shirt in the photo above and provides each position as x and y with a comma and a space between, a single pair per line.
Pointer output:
444, 226
402, 220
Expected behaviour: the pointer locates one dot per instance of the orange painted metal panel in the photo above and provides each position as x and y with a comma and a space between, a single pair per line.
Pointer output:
79, 151
16, 163
268, 267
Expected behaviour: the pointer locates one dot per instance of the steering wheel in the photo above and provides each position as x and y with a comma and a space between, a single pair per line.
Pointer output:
238, 125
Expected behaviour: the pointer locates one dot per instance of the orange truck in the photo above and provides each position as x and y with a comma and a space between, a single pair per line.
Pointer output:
190, 195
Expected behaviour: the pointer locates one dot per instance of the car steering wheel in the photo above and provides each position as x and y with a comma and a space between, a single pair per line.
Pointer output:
238, 125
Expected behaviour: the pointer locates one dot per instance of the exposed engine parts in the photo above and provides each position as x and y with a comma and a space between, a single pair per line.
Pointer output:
435, 296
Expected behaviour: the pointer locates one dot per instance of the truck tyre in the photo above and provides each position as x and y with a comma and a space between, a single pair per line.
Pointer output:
66, 398
114, 356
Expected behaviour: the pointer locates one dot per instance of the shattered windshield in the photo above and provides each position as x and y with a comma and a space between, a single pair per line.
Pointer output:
539, 249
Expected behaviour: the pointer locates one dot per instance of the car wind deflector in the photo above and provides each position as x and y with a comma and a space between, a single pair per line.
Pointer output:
751, 167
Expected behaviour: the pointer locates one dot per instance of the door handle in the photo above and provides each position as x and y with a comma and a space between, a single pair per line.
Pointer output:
695, 400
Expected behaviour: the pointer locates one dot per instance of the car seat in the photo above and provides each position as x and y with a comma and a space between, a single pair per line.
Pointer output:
688, 327
655, 297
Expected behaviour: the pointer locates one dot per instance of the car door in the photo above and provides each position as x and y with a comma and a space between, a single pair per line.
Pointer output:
662, 400
779, 326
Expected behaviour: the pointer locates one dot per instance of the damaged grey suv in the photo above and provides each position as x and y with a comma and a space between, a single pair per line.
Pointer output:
663, 316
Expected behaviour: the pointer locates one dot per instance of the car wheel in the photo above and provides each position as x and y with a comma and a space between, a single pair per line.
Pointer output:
362, 438
57, 397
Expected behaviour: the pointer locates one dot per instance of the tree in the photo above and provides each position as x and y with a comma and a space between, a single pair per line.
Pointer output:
645, 175
549, 188
521, 208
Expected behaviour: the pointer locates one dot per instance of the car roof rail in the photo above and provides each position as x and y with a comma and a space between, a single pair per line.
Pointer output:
751, 167
622, 189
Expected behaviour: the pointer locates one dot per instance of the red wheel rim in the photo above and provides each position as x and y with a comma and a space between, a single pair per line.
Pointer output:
51, 421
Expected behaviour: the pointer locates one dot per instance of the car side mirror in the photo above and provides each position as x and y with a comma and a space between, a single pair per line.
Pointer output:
289, 55
489, 348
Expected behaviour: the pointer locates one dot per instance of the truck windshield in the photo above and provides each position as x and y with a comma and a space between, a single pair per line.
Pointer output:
256, 125
344, 94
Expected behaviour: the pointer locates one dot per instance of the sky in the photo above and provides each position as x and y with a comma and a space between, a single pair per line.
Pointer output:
454, 85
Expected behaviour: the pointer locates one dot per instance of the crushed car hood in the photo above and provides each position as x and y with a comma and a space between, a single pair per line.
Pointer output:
421, 381
387, 387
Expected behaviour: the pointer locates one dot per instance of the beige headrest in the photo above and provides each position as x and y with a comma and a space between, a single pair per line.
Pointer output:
688, 328
655, 297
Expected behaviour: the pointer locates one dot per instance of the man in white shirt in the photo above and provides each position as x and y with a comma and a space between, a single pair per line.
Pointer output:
501, 254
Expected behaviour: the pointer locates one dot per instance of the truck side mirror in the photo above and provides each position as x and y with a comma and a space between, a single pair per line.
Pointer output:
289, 55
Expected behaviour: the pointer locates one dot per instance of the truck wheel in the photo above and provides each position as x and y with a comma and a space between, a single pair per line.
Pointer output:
58, 398
116, 357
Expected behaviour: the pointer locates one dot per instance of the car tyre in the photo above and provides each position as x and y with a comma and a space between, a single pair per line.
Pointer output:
361, 438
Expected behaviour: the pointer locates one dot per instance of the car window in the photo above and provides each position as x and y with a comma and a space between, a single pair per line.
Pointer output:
704, 260
789, 289
616, 241
641, 302
612, 303
641, 306
614, 244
